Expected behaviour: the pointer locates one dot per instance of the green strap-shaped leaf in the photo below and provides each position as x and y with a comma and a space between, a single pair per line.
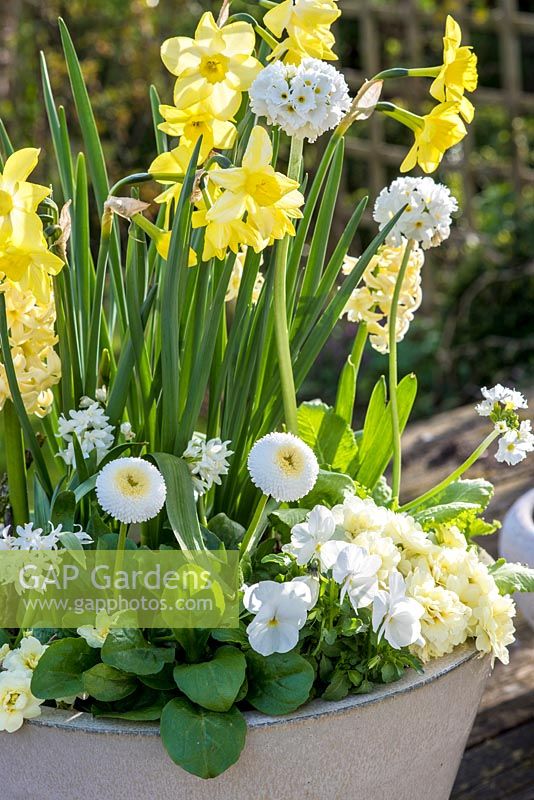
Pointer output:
181, 508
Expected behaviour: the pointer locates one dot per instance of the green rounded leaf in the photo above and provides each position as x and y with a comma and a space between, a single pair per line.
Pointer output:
107, 683
280, 683
59, 672
202, 742
128, 650
213, 684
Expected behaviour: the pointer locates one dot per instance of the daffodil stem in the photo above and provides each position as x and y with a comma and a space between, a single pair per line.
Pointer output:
281, 326
16, 465
458, 472
254, 529
393, 373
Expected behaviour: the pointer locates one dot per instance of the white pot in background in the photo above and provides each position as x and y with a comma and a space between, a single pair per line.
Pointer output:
517, 544
403, 741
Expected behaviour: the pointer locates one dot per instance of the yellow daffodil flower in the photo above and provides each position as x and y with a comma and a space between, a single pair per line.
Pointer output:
25, 258
434, 135
257, 189
307, 23
18, 197
458, 73
217, 63
197, 120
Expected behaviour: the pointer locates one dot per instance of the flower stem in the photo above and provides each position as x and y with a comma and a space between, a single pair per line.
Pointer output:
16, 465
280, 307
123, 534
393, 376
475, 455
254, 530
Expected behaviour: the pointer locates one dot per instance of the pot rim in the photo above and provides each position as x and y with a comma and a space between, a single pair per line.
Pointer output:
80, 721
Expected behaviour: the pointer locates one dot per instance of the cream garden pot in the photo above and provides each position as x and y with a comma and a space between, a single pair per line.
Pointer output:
402, 741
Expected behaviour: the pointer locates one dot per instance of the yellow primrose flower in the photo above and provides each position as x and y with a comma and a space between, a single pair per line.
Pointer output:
197, 120
307, 23
18, 198
257, 189
458, 73
434, 135
217, 63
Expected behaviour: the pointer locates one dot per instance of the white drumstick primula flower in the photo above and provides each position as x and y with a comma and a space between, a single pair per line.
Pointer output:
283, 466
396, 617
305, 101
280, 611
500, 395
427, 216
515, 444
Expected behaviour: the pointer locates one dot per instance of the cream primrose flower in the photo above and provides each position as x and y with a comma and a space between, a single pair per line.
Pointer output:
207, 461
516, 444
4, 650
308, 538
283, 466
371, 301
500, 396
427, 218
280, 611
356, 571
26, 656
305, 101
131, 490
396, 617
95, 635
495, 627
91, 426
17, 703
445, 621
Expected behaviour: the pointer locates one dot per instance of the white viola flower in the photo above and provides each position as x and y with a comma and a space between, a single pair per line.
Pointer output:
6, 540
356, 571
307, 538
26, 656
95, 635
516, 444
283, 466
500, 395
127, 431
427, 216
207, 461
131, 490
280, 611
396, 617
313, 584
17, 702
91, 426
305, 101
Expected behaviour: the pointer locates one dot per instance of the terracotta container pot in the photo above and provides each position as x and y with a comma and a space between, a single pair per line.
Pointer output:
403, 741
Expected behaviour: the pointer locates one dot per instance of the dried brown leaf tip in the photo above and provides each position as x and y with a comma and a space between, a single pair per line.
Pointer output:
125, 207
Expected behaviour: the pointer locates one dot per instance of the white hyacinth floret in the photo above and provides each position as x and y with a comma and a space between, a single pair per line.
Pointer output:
91, 426
283, 466
305, 101
131, 490
28, 537
428, 209
207, 461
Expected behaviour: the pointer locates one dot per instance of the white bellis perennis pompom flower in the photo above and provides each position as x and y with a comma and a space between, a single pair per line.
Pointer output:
305, 101
131, 490
427, 218
283, 466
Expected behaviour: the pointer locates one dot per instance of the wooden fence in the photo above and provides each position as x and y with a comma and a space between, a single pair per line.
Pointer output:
419, 31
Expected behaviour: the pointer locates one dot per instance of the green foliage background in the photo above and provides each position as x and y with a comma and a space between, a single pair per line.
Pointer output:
476, 324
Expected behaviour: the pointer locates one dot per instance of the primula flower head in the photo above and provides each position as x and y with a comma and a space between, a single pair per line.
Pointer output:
131, 490
283, 466
216, 64
305, 101
458, 73
17, 702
